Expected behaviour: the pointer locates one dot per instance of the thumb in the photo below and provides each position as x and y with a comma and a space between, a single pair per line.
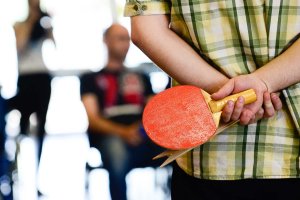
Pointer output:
224, 91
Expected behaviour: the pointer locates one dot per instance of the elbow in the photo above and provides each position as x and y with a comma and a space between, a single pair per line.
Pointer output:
136, 31
136, 37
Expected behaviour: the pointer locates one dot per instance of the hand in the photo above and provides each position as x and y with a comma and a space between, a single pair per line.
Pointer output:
131, 134
272, 103
264, 106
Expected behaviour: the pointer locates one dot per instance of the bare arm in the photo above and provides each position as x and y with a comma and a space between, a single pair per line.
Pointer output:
181, 62
282, 71
22, 32
98, 123
173, 55
23, 29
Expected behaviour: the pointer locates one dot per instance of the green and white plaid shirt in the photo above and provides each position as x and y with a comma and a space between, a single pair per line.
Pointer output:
237, 37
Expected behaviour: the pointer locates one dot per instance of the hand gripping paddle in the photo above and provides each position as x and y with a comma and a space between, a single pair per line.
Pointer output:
183, 117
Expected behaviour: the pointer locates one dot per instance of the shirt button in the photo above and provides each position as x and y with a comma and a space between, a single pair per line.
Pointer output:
135, 7
144, 7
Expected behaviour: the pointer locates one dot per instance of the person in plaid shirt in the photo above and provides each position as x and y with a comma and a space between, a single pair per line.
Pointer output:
224, 47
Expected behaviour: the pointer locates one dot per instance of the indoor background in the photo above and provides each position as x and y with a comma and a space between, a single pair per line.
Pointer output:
78, 26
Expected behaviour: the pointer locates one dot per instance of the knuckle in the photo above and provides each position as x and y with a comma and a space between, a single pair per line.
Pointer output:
268, 105
226, 118
226, 112
269, 113
236, 115
278, 106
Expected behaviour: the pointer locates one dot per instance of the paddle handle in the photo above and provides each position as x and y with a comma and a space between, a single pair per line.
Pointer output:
217, 106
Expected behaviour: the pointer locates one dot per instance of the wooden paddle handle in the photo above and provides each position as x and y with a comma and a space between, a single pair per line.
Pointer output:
217, 106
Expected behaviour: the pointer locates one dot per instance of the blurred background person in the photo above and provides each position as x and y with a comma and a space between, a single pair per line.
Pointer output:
34, 80
114, 99
78, 47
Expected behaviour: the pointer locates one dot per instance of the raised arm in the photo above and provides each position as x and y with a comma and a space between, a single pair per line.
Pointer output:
173, 55
22, 33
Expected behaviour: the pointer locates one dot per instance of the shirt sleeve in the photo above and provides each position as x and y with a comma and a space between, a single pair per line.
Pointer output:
148, 85
146, 7
86, 84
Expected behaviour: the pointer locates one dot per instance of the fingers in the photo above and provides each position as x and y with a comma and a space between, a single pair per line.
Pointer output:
276, 101
268, 106
259, 115
271, 104
232, 111
249, 112
247, 116
133, 136
227, 111
226, 90
134, 140
238, 108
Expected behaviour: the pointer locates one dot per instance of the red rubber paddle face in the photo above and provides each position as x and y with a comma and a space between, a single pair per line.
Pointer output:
179, 118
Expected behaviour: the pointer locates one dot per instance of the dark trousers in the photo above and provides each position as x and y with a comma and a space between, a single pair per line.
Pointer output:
185, 187
33, 96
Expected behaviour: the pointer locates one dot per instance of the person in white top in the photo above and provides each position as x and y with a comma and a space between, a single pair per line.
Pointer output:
34, 80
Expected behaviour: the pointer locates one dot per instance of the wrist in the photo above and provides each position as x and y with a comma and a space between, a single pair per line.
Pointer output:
266, 85
217, 86
119, 130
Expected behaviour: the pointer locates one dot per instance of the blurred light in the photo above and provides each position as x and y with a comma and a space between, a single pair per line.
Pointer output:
8, 60
5, 187
12, 13
94, 158
26, 174
66, 113
159, 81
46, 22
33, 122
12, 123
10, 148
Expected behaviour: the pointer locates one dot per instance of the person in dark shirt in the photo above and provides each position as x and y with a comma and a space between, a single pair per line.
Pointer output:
114, 99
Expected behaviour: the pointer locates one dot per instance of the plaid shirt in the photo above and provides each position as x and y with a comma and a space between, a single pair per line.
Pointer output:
239, 36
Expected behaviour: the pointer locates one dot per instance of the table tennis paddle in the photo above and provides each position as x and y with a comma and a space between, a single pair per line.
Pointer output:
174, 154
183, 117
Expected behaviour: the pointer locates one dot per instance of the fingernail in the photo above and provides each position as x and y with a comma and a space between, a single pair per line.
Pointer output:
261, 111
269, 105
240, 99
230, 104
274, 95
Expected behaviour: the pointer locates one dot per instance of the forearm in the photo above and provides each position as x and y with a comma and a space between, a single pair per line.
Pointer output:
105, 126
172, 54
283, 71
97, 122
